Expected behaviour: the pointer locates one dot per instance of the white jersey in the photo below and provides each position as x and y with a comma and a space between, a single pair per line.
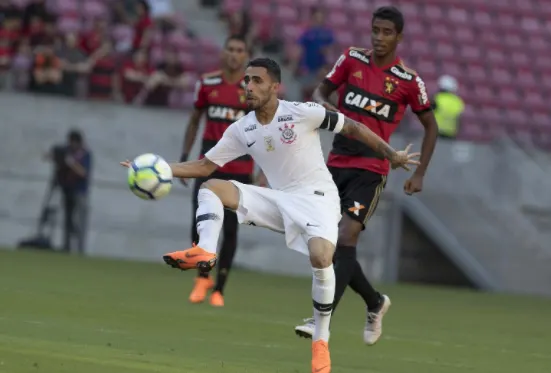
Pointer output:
288, 149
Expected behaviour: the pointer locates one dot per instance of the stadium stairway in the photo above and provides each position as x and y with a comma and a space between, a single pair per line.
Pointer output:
481, 227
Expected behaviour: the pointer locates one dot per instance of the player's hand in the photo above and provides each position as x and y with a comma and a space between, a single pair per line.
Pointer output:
126, 164
414, 184
403, 159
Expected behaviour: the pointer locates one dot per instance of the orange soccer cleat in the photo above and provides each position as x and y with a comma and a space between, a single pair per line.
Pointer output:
191, 258
321, 360
217, 299
200, 290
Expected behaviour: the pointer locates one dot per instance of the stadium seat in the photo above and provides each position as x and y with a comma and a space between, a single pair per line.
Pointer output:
67, 8
458, 16
496, 57
232, 6
93, 9
464, 36
287, 14
68, 24
345, 38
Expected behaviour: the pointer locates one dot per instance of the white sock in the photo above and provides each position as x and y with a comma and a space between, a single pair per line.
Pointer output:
210, 216
323, 293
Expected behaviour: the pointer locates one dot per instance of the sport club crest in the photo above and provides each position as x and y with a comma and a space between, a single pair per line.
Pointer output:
288, 134
390, 85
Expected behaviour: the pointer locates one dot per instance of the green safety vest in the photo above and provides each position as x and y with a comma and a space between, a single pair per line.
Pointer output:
448, 108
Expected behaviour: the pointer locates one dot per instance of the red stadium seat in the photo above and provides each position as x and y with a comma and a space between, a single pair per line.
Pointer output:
345, 38
68, 24
513, 40
94, 9
496, 57
464, 35
332, 5
409, 10
476, 73
500, 76
458, 16
469, 53
509, 97
338, 19
68, 8
433, 13
232, 6
287, 14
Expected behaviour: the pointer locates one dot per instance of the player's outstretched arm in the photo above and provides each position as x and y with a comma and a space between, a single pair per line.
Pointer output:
402, 159
185, 170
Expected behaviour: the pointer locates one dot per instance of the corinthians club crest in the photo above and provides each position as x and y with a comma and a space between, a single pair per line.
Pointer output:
288, 134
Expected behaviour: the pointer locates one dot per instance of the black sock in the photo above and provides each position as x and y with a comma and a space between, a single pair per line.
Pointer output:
227, 251
360, 284
344, 261
202, 274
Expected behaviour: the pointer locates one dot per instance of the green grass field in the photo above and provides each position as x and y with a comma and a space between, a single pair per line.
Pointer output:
66, 314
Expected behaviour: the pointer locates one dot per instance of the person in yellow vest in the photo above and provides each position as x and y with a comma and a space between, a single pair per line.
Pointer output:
447, 107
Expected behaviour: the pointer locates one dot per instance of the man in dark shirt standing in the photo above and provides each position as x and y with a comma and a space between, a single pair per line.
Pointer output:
73, 164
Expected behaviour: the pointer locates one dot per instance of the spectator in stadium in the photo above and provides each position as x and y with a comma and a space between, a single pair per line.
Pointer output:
134, 75
9, 11
36, 9
162, 12
123, 10
9, 35
46, 71
143, 26
21, 65
168, 75
45, 32
240, 24
314, 43
73, 165
448, 107
98, 47
75, 64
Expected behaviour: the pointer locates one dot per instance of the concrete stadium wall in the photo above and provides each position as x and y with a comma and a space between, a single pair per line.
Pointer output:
121, 225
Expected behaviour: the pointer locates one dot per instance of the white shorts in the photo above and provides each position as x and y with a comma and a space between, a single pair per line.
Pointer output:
299, 216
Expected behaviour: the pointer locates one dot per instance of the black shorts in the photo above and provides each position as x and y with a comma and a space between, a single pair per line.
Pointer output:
359, 191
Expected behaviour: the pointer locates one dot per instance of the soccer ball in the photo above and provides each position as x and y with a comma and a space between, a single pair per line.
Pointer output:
149, 177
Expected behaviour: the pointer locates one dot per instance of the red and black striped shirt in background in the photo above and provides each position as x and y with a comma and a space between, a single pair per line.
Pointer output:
224, 103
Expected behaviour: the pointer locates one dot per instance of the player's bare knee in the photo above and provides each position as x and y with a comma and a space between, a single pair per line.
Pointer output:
225, 190
321, 252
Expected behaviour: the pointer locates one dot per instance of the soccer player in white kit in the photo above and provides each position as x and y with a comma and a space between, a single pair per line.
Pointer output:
303, 202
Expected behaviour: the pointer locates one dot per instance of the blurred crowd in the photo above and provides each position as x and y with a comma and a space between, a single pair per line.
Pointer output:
127, 50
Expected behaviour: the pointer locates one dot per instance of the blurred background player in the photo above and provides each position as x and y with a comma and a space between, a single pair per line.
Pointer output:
374, 88
221, 96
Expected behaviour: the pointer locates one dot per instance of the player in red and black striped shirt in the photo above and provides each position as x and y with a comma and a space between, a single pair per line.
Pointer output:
374, 88
220, 95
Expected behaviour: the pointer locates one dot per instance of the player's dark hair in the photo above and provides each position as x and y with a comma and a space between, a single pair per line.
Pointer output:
392, 14
75, 136
270, 65
235, 38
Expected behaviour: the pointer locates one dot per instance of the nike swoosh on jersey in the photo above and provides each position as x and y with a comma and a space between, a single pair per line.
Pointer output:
251, 144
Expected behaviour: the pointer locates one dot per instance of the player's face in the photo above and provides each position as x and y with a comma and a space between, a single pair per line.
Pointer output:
384, 37
260, 87
235, 55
